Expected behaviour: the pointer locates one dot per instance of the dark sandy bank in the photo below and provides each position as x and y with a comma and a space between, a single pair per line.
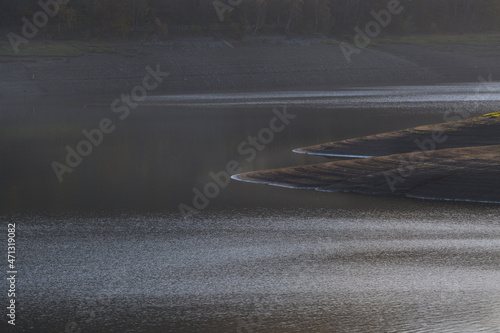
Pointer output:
474, 132
212, 65
463, 174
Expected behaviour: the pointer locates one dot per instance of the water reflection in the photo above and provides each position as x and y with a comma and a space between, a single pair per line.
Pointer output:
154, 158
107, 251
422, 267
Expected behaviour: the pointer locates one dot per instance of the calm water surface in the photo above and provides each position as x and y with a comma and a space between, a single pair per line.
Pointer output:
107, 250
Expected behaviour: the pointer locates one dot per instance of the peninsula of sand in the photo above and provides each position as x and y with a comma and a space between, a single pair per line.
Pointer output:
457, 161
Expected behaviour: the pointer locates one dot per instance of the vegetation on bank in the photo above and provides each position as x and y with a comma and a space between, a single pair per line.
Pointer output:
163, 19
492, 115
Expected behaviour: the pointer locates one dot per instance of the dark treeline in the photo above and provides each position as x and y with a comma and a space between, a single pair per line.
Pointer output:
167, 18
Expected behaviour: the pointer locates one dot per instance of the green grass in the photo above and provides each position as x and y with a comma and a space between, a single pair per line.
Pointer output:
492, 115
34, 49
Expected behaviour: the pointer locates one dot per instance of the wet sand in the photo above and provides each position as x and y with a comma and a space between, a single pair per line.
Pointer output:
473, 132
414, 166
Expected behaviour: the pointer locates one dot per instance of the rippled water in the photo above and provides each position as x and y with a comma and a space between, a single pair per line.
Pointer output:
107, 250
437, 96
425, 267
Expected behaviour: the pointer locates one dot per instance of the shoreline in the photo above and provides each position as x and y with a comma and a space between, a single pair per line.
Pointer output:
464, 169
212, 66
461, 175
238, 177
471, 132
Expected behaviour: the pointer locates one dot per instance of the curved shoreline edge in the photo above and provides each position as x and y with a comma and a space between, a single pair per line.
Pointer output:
299, 151
462, 174
472, 132
237, 178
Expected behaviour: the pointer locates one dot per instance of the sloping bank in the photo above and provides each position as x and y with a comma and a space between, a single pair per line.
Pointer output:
207, 66
454, 172
473, 132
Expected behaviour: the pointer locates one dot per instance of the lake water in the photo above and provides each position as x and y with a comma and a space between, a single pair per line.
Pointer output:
107, 249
